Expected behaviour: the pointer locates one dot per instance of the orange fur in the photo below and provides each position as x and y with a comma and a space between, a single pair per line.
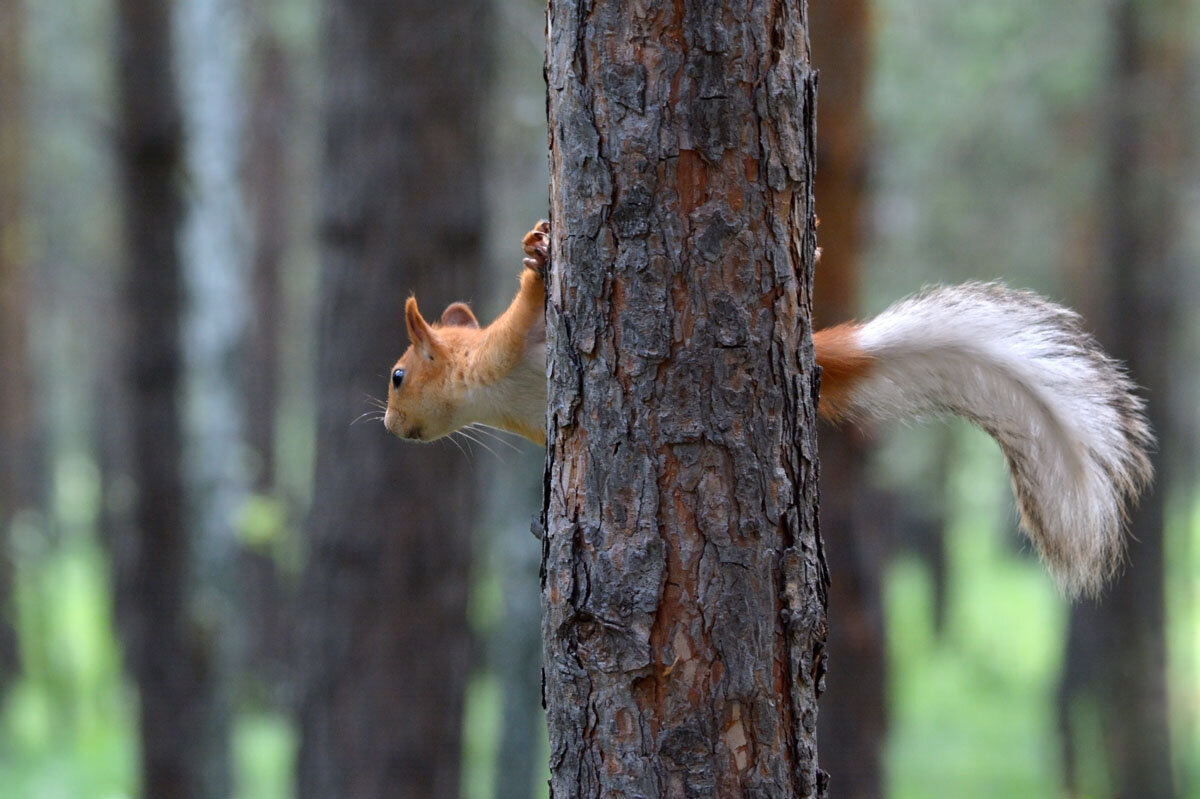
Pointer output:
457, 373
843, 364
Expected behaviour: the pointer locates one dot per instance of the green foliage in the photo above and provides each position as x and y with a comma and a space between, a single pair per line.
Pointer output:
1183, 633
68, 727
262, 522
973, 712
264, 756
263, 526
481, 736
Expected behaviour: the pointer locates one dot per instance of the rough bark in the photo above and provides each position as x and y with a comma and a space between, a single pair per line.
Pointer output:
683, 580
1142, 310
20, 468
150, 557
383, 635
853, 710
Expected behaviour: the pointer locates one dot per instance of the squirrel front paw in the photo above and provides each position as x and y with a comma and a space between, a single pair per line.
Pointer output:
537, 248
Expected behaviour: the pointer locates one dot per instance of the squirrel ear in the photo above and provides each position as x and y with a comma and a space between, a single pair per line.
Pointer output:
457, 314
419, 333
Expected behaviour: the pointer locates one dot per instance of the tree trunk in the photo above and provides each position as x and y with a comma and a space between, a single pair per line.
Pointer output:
267, 189
151, 557
683, 580
216, 261
516, 180
383, 630
853, 717
20, 468
515, 645
270, 619
1143, 307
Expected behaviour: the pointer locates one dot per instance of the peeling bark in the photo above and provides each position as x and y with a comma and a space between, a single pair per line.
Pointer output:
684, 584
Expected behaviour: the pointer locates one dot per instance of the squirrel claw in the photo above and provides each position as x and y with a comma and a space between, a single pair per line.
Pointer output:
536, 245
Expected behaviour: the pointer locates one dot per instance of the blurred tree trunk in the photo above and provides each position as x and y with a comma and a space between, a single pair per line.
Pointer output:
216, 259
517, 179
385, 647
270, 617
162, 641
853, 709
270, 112
20, 469
515, 646
1142, 307
1146, 147
684, 584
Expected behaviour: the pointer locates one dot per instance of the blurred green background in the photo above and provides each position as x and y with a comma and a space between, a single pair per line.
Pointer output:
984, 136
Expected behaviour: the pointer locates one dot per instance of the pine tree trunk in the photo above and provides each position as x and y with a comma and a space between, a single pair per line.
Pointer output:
684, 583
515, 645
383, 635
1117, 653
1146, 149
151, 555
271, 113
853, 710
216, 259
269, 598
20, 468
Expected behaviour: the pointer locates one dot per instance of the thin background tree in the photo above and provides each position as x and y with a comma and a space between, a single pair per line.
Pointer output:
20, 463
384, 644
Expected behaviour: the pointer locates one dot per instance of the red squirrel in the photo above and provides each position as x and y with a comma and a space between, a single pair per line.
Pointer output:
1022, 368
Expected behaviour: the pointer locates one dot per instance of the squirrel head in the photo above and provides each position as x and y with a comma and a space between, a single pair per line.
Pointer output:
425, 388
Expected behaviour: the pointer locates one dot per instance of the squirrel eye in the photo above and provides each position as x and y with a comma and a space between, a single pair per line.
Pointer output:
397, 378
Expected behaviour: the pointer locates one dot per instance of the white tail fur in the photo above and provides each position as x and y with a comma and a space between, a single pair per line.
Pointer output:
1023, 369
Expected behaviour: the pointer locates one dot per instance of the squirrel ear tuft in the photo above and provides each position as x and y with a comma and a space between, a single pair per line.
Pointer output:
419, 332
457, 314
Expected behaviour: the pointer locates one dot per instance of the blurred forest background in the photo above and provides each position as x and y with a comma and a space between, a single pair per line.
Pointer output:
220, 577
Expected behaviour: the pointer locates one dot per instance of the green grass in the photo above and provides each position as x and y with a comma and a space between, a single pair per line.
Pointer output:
264, 756
972, 715
973, 712
68, 724
481, 736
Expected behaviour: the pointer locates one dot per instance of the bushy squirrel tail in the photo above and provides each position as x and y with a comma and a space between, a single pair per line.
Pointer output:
1023, 369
